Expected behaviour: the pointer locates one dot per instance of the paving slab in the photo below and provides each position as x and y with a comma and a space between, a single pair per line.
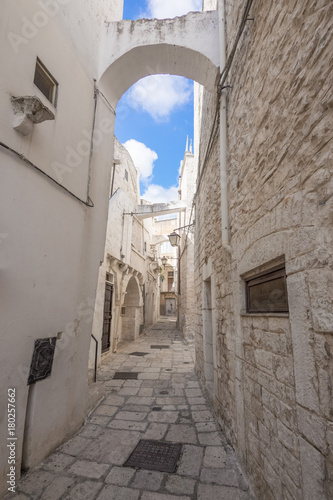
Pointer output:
118, 493
148, 480
58, 487
86, 490
85, 468
120, 476
169, 404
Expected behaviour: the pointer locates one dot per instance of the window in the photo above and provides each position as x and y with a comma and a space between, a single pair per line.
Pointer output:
45, 82
123, 311
267, 292
126, 175
109, 277
170, 274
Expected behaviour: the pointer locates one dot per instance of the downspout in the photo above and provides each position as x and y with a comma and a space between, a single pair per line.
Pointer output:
223, 131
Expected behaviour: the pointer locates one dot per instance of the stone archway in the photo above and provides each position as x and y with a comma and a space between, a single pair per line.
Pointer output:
186, 46
131, 312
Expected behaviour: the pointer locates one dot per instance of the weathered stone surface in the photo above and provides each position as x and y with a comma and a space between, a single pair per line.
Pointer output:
181, 434
225, 477
312, 463
147, 480
118, 493
120, 476
92, 470
191, 461
57, 488
215, 457
84, 491
180, 485
112, 446
74, 446
35, 482
218, 492
160, 496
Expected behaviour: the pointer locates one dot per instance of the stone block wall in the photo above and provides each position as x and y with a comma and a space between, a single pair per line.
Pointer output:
274, 372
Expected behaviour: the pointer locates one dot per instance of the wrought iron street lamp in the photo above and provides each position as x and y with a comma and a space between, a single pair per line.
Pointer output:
174, 239
164, 261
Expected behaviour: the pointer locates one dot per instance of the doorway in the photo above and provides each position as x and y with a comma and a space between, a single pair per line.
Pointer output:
170, 307
106, 336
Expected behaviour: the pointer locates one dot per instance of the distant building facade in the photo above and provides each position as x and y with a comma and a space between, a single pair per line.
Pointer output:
127, 297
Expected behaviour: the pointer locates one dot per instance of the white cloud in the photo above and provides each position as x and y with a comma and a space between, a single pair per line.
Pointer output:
142, 156
163, 9
159, 194
159, 95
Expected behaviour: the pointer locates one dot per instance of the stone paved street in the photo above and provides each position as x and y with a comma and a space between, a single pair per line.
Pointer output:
166, 403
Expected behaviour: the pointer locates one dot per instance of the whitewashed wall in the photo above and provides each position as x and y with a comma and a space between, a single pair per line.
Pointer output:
51, 244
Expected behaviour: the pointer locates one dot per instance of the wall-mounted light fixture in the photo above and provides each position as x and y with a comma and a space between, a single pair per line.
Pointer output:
174, 239
164, 261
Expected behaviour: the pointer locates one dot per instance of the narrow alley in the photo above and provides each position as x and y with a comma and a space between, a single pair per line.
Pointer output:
151, 393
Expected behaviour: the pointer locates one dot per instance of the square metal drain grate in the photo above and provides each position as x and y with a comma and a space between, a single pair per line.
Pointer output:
160, 346
126, 376
155, 455
138, 353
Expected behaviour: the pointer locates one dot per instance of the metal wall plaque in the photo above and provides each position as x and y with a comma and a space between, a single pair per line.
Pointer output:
42, 360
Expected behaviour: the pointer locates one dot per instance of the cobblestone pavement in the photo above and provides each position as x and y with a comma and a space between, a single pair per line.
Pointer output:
166, 404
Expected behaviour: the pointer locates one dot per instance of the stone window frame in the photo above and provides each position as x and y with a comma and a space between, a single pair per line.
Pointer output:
269, 274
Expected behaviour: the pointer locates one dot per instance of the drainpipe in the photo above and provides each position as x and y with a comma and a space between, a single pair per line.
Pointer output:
223, 131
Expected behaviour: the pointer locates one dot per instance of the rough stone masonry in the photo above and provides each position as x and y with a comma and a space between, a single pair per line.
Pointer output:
273, 373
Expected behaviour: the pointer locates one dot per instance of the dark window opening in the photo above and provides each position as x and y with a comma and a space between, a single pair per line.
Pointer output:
45, 82
267, 292
106, 336
126, 175
123, 311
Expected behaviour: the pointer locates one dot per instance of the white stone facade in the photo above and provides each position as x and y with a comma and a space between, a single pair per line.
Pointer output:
186, 221
51, 242
270, 375
130, 263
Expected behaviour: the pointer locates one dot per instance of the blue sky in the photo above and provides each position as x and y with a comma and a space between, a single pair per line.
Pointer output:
156, 114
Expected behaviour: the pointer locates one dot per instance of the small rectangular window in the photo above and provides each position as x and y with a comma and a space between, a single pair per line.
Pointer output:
45, 82
267, 292
170, 273
109, 277
123, 311
126, 175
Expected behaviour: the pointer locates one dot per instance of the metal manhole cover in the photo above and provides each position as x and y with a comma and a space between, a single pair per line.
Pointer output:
160, 347
138, 353
155, 455
126, 376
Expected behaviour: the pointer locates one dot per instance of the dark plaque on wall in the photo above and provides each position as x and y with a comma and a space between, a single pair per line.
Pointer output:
42, 360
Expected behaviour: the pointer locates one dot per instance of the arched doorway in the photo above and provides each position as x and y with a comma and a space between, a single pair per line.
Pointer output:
131, 312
